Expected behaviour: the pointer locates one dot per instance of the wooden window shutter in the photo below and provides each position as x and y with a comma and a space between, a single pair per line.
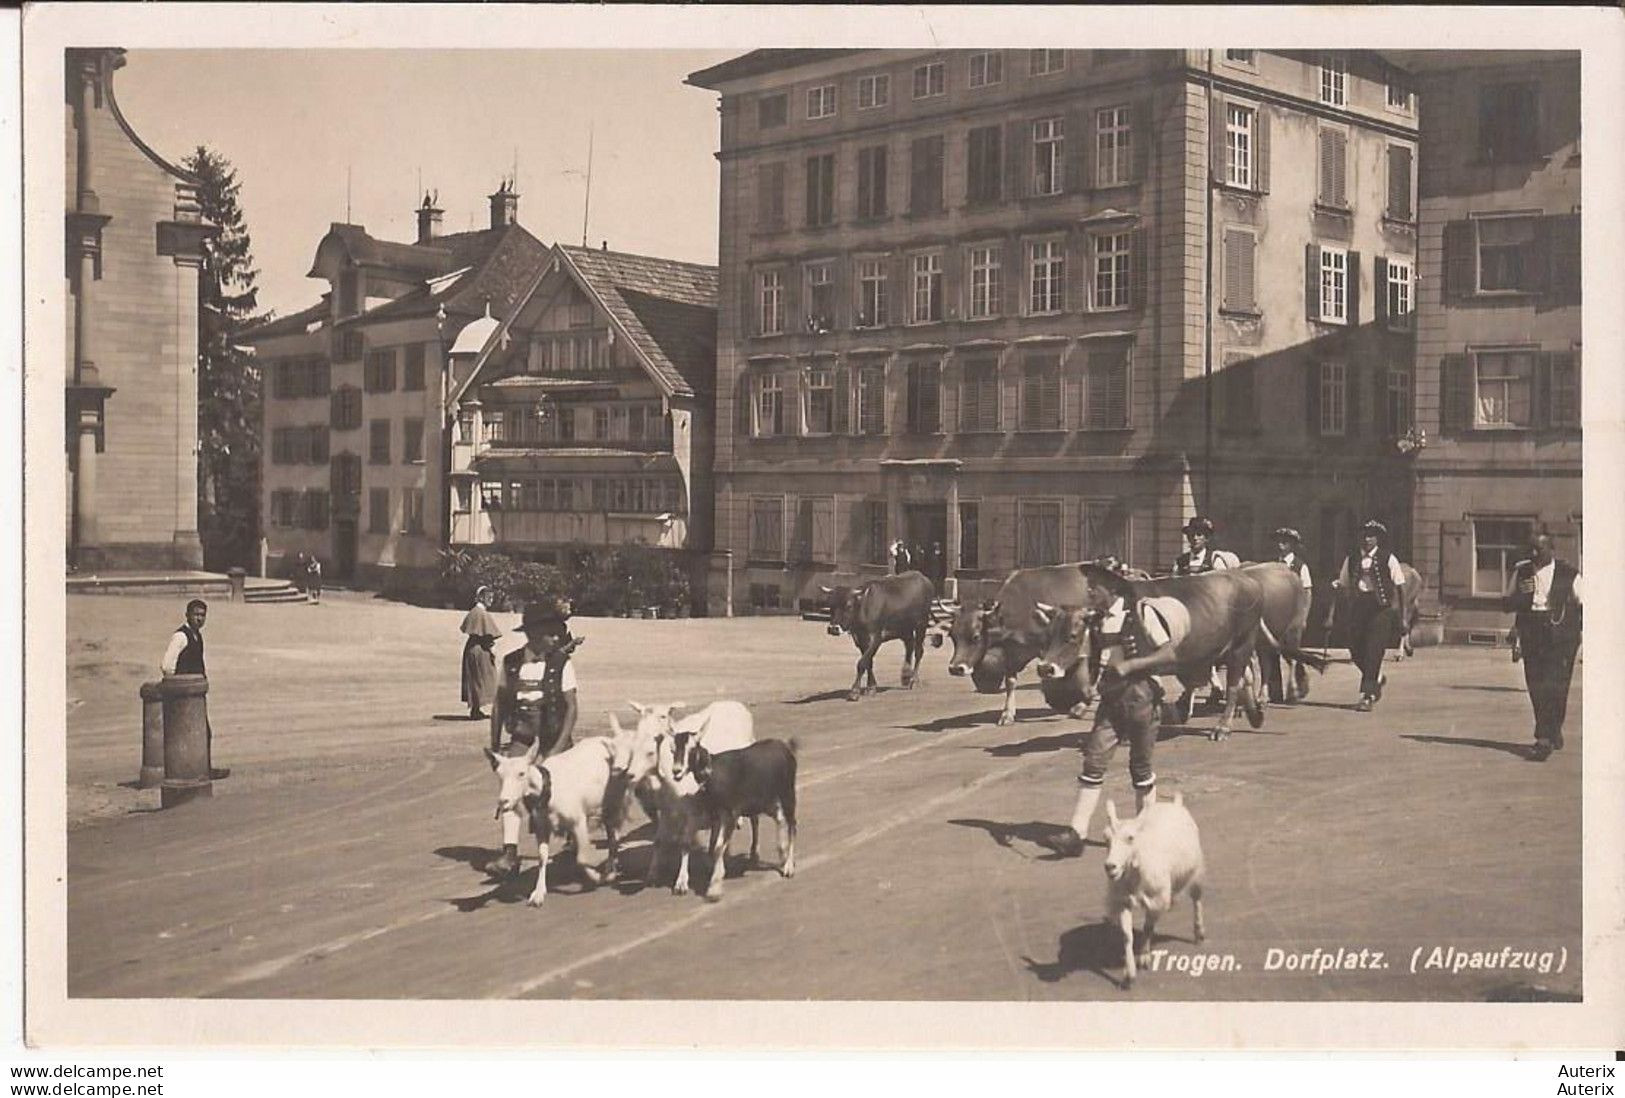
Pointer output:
1054, 394
840, 309
1117, 389
1333, 189
1018, 159
1013, 274
1217, 163
1261, 149
1563, 283
931, 398
1539, 280
1312, 390
823, 529
1379, 287
1080, 144
953, 267
1353, 293
843, 400
969, 399
1541, 397
1455, 394
1140, 138
1311, 281
742, 409
1138, 276
1399, 183
1456, 558
1353, 374
1239, 286
1079, 273
1460, 259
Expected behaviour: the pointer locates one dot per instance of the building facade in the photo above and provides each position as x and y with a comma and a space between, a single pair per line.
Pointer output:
134, 250
586, 419
1498, 322
356, 436
1039, 305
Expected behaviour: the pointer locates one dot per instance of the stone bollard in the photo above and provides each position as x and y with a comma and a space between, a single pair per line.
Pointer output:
186, 739
235, 576
152, 736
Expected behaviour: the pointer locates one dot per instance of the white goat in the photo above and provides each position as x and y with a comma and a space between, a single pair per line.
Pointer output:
1151, 859
720, 726
591, 779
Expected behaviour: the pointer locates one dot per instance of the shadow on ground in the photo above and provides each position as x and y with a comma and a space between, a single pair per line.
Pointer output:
1519, 749
987, 717
1491, 689
1094, 947
1045, 836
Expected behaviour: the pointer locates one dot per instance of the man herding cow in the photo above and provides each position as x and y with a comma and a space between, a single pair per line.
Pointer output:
1371, 580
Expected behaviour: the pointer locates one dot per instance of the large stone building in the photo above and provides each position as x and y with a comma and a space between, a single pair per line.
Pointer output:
356, 440
586, 419
134, 247
1498, 322
1037, 305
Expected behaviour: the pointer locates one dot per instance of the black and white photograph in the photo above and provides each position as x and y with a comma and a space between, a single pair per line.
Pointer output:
820, 537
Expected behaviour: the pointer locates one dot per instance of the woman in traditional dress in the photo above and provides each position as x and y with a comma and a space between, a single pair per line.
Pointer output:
479, 656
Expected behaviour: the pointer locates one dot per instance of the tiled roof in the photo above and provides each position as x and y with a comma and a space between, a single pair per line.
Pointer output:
293, 324
503, 265
668, 308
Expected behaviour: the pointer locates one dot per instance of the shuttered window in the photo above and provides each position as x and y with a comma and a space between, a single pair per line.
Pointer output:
926, 163
1333, 399
1563, 387
766, 534
1498, 544
1041, 391
1240, 289
1334, 285
1334, 76
820, 190
379, 376
984, 166
770, 196
872, 182
378, 511
970, 535
1103, 530
378, 442
1038, 532
1239, 147
1503, 388
924, 396
1105, 397
815, 530
412, 380
979, 395
1401, 207
1508, 123
345, 408
1333, 189
819, 404
870, 394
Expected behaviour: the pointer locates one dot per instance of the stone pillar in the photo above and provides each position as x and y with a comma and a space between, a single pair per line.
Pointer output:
152, 736
950, 582
186, 739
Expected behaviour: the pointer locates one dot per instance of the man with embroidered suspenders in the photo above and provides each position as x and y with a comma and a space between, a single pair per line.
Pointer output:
1125, 636
1290, 545
184, 656
1545, 596
1201, 556
1370, 581
535, 703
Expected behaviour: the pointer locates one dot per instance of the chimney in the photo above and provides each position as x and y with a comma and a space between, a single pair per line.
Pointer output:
429, 217
504, 205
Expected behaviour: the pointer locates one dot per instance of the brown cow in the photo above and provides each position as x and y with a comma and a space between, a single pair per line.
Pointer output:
891, 608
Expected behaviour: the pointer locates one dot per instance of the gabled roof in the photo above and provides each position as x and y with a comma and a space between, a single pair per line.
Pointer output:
667, 308
293, 324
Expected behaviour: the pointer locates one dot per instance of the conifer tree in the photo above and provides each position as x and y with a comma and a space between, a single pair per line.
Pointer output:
229, 389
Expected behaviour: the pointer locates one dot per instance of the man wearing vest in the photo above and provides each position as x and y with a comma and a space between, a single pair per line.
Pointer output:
1545, 596
184, 656
1370, 580
535, 703
1126, 637
1290, 546
1201, 557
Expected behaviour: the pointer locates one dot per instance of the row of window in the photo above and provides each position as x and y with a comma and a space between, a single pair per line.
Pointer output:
379, 372
310, 376
1002, 162
306, 509
299, 445
382, 520
829, 399
928, 80
806, 530
380, 441
621, 422
941, 284
578, 352
627, 495
1331, 283
986, 68
1513, 254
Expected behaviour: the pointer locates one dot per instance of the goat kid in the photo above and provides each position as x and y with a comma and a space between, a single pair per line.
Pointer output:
751, 781
592, 779
1151, 858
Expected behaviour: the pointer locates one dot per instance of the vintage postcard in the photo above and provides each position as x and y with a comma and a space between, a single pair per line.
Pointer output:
858, 528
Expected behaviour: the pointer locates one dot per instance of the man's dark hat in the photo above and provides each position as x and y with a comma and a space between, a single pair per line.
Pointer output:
1197, 525
1287, 533
542, 618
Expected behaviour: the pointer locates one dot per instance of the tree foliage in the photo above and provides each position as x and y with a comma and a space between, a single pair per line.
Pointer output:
229, 389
